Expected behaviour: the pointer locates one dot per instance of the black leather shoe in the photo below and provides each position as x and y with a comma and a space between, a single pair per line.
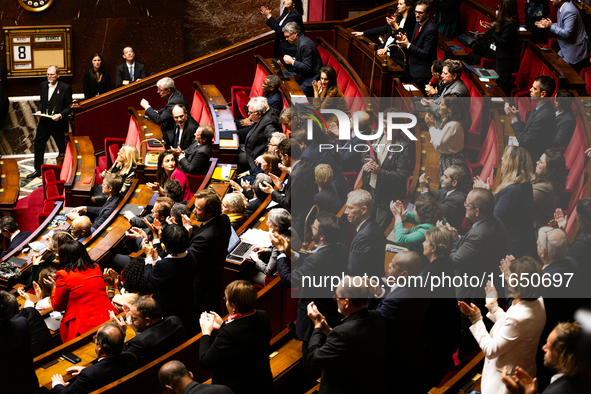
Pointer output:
33, 175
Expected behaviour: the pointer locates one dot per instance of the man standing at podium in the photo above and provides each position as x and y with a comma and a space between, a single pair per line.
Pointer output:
53, 111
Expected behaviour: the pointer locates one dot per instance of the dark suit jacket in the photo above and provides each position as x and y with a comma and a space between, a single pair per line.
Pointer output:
393, 175
171, 280
368, 250
307, 62
538, 133
423, 50
566, 384
480, 250
102, 213
565, 124
158, 339
253, 205
100, 374
18, 239
404, 315
41, 339
282, 46
275, 101
580, 250
328, 260
209, 244
163, 116
408, 29
198, 388
514, 206
506, 41
327, 200
441, 329
259, 135
361, 336
139, 72
17, 373
188, 136
239, 355
59, 104
453, 205
300, 188
196, 160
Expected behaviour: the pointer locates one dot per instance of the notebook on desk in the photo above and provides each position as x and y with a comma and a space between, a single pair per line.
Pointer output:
482, 73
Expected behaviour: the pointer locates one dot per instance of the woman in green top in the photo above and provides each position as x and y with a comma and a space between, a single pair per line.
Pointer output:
426, 213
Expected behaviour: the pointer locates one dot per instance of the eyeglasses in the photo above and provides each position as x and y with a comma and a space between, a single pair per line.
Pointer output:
134, 319
466, 205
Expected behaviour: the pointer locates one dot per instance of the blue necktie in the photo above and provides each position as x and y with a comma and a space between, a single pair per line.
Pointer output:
131, 73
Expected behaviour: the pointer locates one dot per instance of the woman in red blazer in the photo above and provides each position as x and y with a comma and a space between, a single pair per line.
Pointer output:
80, 292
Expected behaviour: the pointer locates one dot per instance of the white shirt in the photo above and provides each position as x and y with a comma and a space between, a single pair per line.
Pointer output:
50, 90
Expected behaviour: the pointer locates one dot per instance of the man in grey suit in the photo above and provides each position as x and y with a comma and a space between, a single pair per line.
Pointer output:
451, 77
163, 116
477, 254
195, 159
570, 31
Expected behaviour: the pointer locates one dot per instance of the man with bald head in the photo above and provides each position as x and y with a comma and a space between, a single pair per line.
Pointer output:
111, 364
182, 135
52, 112
175, 378
81, 228
477, 254
403, 313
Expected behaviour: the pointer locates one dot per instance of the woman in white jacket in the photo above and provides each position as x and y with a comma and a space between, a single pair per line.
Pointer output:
514, 338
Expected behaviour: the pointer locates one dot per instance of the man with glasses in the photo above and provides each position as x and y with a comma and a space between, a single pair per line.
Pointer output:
111, 364
182, 135
53, 112
357, 344
421, 47
81, 228
158, 335
163, 117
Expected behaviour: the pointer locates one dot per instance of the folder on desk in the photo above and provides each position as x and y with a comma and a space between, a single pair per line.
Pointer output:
137, 210
217, 174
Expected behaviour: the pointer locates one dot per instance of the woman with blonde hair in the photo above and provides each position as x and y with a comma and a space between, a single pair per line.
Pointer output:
514, 199
234, 205
125, 166
513, 340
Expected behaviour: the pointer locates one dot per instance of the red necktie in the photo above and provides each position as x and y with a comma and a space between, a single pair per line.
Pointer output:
417, 33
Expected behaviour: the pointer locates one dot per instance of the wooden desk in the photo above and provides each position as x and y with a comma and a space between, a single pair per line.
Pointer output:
291, 85
83, 169
376, 71
10, 184
82, 347
222, 119
147, 129
444, 45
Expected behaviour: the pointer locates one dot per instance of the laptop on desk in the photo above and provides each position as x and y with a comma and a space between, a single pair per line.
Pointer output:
238, 250
482, 73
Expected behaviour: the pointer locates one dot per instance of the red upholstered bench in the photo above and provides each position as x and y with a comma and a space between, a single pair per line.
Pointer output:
347, 79
470, 21
531, 67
